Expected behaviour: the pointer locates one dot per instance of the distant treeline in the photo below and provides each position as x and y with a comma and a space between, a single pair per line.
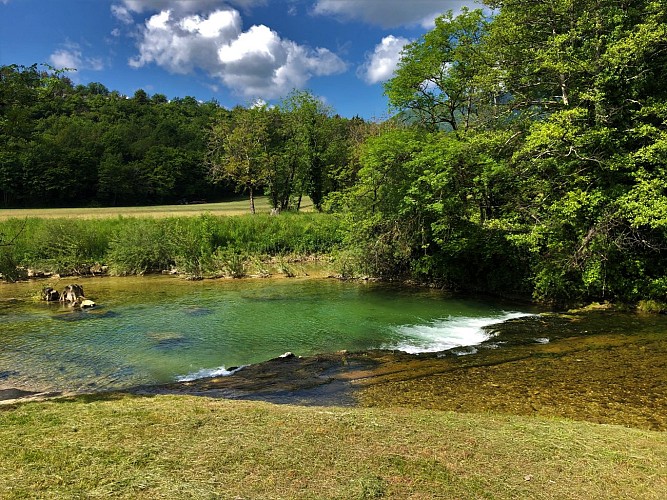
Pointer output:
83, 145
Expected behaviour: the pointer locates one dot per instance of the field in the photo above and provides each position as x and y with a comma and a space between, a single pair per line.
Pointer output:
240, 207
190, 447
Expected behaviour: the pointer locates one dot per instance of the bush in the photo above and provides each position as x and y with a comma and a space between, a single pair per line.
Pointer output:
66, 246
196, 245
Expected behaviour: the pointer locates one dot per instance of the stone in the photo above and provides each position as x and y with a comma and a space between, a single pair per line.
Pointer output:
87, 303
50, 295
71, 294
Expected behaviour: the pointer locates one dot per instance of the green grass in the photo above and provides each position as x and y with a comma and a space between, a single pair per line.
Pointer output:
188, 447
240, 207
196, 245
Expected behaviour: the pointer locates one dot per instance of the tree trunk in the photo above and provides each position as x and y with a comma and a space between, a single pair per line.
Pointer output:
252, 200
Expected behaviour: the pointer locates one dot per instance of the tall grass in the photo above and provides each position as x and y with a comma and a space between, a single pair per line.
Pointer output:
194, 245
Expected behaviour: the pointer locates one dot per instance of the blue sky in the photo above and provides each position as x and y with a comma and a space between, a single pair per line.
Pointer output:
234, 51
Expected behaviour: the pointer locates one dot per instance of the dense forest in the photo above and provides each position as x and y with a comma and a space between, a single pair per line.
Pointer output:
527, 154
83, 145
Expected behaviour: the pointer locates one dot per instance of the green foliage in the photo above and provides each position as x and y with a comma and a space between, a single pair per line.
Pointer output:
233, 263
67, 246
290, 151
9, 265
544, 169
435, 79
64, 145
198, 246
651, 307
139, 246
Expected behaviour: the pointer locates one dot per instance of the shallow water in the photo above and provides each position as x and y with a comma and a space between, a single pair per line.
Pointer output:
157, 329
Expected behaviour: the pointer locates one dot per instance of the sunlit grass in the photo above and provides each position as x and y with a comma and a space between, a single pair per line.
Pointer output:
239, 207
188, 447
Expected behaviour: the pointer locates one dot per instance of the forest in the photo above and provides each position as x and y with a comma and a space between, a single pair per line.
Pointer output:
526, 156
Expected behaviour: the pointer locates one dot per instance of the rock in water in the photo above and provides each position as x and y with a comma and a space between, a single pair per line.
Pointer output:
50, 295
87, 303
71, 294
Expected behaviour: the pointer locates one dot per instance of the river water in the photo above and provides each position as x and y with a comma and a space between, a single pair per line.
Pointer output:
157, 329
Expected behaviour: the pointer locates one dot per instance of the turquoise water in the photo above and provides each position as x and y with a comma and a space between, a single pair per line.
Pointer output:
159, 329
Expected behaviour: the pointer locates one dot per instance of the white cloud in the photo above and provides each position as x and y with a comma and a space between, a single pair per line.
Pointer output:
380, 65
390, 13
122, 13
71, 57
260, 63
182, 44
256, 62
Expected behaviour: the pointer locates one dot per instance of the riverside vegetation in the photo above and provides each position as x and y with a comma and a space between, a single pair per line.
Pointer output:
204, 245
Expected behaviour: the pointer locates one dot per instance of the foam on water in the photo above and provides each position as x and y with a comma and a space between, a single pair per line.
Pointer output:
208, 373
448, 333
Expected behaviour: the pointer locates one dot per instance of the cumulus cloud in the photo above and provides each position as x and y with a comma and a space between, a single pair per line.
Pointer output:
256, 62
390, 13
71, 57
380, 64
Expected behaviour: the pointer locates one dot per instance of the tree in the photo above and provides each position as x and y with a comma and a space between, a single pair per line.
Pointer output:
304, 120
435, 81
238, 149
549, 165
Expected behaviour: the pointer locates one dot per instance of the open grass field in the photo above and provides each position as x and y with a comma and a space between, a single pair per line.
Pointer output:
188, 447
239, 207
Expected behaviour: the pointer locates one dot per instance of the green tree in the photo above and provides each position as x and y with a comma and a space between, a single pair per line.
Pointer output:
435, 82
304, 120
239, 149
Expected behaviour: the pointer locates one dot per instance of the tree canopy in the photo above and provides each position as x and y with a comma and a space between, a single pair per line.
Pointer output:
540, 166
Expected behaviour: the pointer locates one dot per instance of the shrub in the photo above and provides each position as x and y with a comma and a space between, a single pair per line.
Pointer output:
67, 246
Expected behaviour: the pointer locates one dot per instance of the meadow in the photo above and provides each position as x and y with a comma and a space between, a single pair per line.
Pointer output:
189, 447
237, 207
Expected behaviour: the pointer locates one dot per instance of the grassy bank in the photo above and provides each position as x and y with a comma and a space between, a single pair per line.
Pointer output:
186, 447
200, 245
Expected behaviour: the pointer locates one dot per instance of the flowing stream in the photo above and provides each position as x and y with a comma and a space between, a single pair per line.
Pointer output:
157, 329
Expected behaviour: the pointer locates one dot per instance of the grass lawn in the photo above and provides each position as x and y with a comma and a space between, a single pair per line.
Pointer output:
189, 447
241, 207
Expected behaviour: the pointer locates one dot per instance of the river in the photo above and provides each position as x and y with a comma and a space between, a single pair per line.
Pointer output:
160, 329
